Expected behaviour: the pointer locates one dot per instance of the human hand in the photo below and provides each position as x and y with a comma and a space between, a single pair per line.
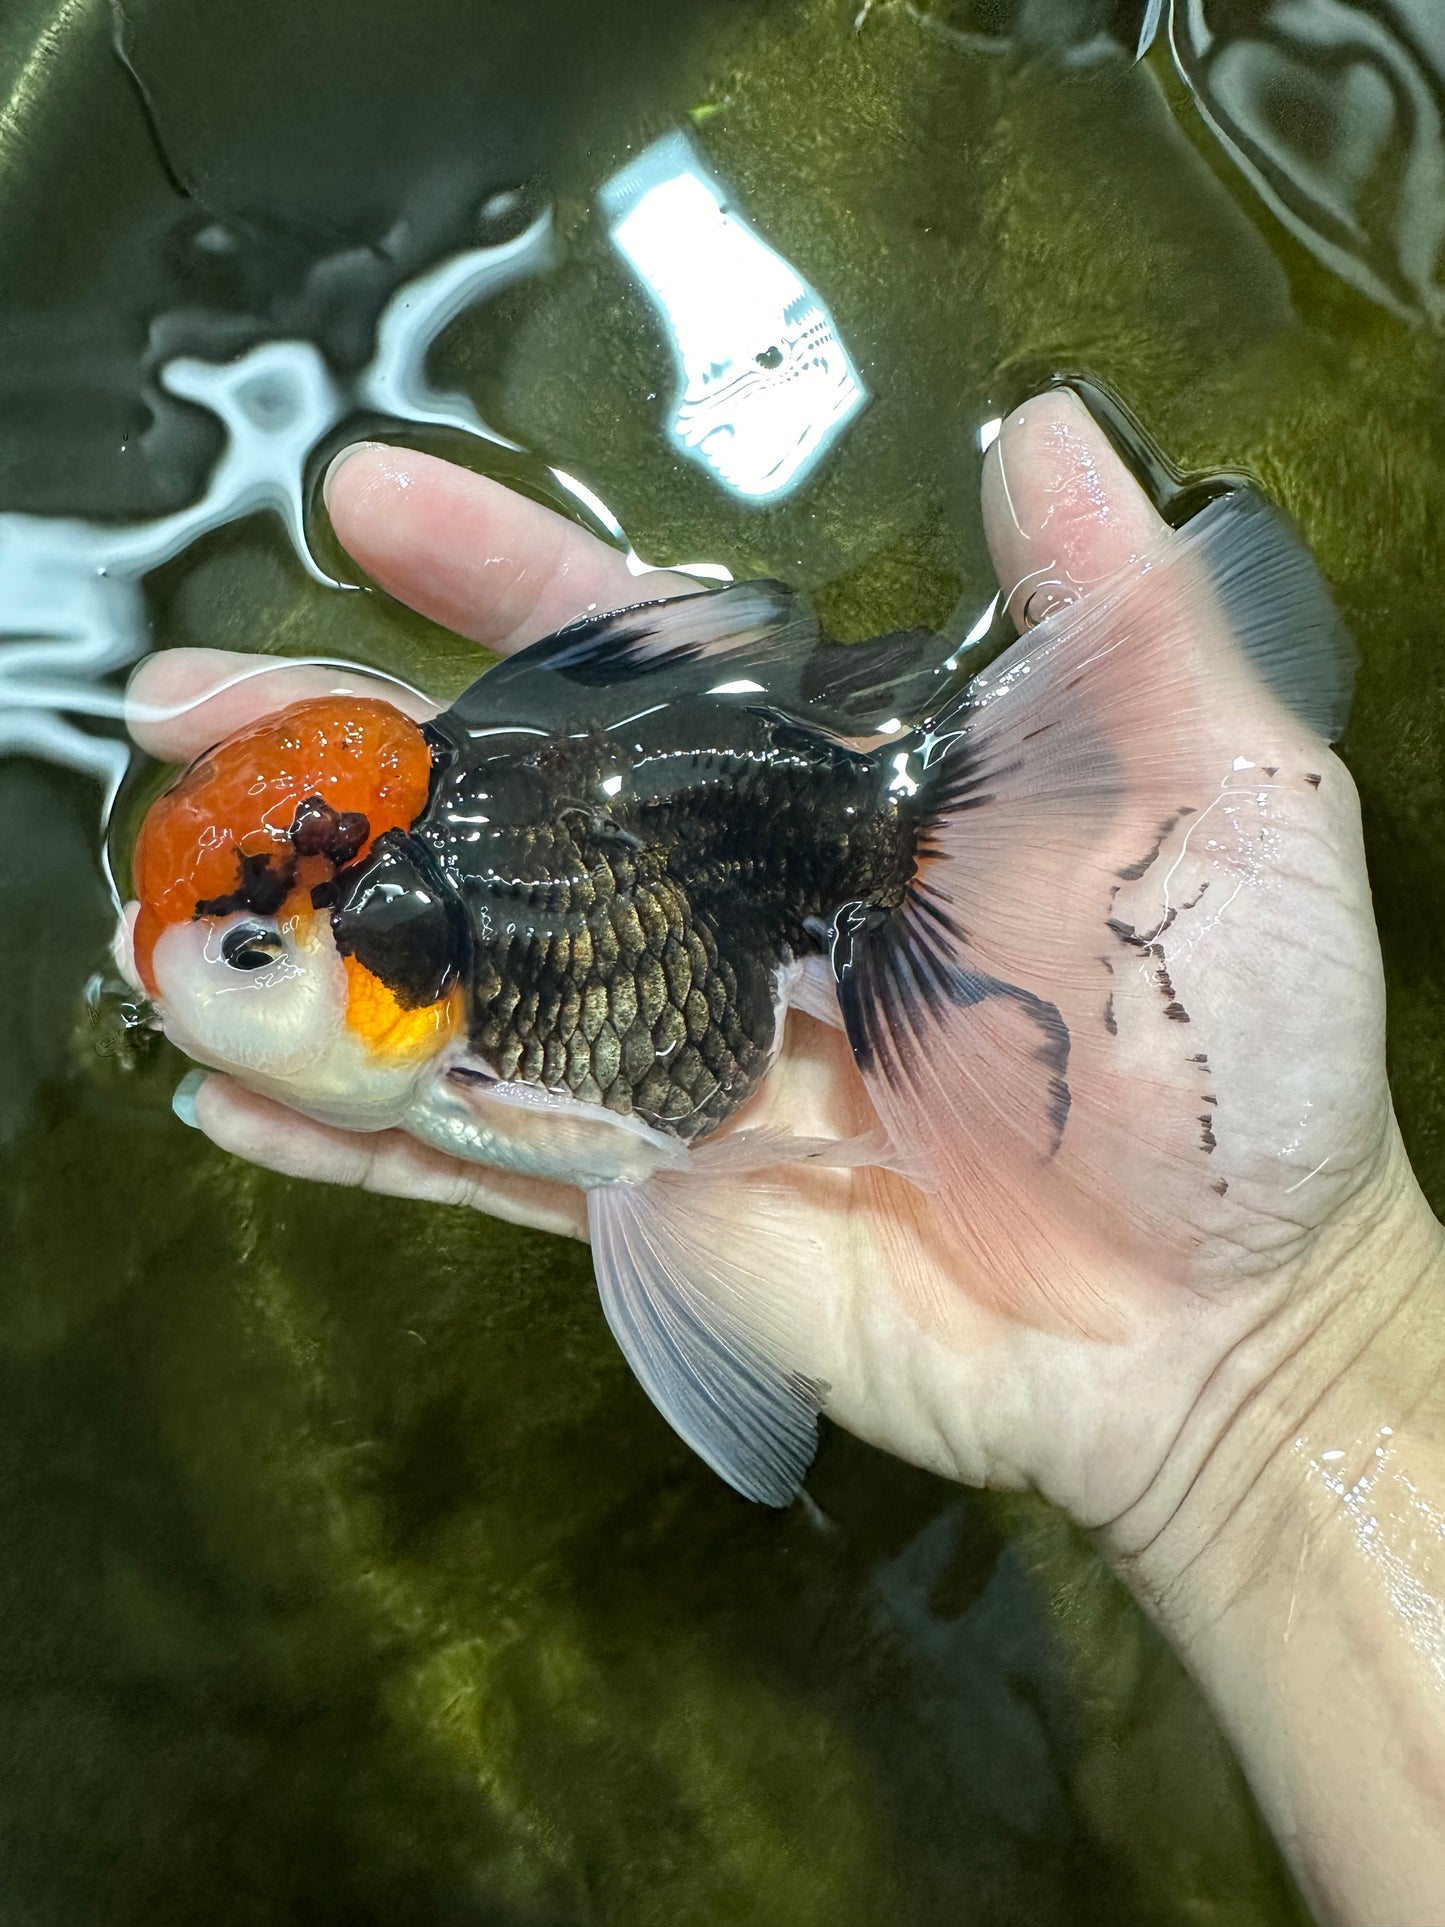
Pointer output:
935, 1352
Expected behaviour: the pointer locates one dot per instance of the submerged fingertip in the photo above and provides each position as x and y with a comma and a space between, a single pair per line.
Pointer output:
183, 1099
1060, 506
163, 688
169, 671
1056, 412
139, 696
144, 700
341, 460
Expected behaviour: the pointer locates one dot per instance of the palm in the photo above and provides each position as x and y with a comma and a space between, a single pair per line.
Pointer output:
1037, 1348
920, 1365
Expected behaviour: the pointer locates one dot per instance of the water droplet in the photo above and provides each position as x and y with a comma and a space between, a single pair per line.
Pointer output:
1046, 600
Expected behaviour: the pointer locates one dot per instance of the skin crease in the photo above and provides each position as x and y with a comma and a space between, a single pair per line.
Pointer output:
1265, 1460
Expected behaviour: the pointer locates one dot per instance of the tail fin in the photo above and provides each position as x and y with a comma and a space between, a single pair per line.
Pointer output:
1018, 1018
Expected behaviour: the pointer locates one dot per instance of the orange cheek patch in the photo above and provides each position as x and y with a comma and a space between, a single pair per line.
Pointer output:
241, 798
387, 1027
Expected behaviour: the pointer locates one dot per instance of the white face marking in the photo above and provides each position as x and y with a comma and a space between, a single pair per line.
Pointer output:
267, 1003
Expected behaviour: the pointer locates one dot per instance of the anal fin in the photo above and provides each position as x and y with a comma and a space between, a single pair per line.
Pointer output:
697, 1275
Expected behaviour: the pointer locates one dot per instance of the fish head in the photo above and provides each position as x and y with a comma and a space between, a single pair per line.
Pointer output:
233, 869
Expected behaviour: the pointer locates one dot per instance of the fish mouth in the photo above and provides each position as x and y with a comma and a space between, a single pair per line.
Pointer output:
273, 1003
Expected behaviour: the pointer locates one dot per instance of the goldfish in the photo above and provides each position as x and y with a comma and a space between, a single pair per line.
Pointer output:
558, 928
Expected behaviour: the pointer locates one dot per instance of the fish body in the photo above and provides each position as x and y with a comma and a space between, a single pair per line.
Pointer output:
596, 876
619, 900
557, 929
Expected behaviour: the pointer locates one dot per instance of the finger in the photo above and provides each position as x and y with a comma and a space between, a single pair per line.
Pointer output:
1060, 509
474, 555
180, 701
388, 1162
460, 548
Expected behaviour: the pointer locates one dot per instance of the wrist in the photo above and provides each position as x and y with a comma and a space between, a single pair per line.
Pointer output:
1295, 1554
1347, 1360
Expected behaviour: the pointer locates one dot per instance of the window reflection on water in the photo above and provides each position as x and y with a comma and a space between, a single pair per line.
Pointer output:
765, 383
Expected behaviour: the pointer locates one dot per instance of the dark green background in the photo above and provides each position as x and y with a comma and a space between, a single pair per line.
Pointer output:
347, 1575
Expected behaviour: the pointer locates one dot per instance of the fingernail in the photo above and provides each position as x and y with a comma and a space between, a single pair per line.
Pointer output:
184, 1101
338, 462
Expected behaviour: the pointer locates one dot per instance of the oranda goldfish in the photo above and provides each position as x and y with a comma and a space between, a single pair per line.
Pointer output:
557, 928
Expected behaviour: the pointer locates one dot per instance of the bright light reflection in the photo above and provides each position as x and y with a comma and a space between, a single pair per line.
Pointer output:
902, 783
71, 605
590, 500
765, 383
72, 609
976, 634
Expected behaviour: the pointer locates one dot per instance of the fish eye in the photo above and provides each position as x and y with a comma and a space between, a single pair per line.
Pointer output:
250, 946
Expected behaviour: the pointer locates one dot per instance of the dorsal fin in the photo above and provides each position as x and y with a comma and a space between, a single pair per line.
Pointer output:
747, 641
743, 632
757, 624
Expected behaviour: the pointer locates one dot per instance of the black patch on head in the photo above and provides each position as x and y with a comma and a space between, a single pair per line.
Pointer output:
266, 882
396, 914
319, 830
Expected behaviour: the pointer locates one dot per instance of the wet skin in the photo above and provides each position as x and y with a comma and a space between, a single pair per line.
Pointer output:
1191, 1435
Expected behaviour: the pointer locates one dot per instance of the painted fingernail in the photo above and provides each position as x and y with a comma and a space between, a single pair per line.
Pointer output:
184, 1101
338, 462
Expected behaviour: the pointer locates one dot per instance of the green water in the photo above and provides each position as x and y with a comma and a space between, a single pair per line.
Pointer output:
348, 1576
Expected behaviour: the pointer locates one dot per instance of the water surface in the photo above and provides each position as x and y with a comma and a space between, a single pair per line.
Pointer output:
350, 1577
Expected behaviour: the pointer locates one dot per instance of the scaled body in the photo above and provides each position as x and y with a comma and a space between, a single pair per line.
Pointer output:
619, 899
